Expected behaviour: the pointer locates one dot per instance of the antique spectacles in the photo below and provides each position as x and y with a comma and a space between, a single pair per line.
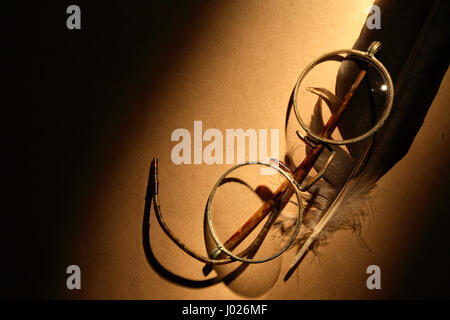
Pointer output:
257, 234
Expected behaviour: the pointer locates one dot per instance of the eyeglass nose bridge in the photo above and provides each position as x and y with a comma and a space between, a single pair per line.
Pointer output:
313, 144
320, 174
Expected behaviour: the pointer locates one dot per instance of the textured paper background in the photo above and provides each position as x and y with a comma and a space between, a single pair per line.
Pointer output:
233, 64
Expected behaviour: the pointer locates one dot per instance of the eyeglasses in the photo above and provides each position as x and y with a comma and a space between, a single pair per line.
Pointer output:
247, 241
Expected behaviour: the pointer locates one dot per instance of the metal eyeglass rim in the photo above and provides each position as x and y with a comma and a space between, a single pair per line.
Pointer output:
368, 56
219, 244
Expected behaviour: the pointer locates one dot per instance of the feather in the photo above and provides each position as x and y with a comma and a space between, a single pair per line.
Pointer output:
353, 207
343, 195
332, 219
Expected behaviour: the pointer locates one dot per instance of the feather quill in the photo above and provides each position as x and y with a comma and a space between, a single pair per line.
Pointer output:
339, 189
343, 195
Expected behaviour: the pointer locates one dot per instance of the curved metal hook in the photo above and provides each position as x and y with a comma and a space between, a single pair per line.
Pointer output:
220, 248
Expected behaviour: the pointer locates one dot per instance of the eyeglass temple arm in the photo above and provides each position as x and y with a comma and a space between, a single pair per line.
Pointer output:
166, 229
210, 261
